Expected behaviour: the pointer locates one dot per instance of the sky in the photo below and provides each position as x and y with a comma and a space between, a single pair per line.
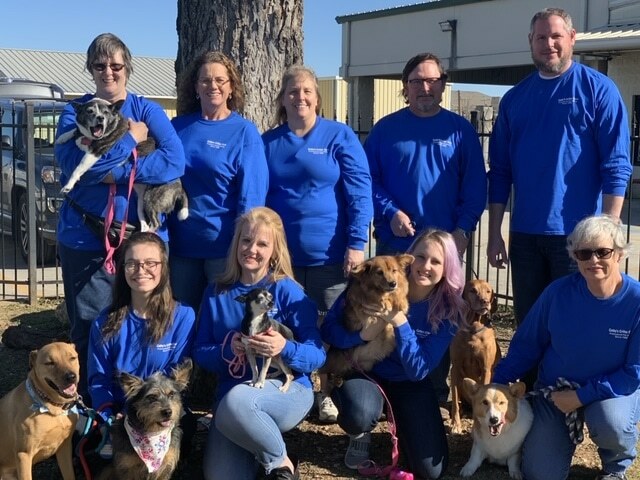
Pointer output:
148, 27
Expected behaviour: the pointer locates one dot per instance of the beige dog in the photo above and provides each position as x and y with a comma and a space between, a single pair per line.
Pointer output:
35, 417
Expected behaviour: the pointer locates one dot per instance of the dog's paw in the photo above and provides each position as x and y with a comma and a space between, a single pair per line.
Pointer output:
257, 384
516, 474
144, 226
468, 470
183, 214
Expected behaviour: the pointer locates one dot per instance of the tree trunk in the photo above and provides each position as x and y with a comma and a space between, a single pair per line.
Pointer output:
263, 37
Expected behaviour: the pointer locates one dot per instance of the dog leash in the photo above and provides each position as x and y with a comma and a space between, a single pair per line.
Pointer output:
574, 419
237, 362
109, 263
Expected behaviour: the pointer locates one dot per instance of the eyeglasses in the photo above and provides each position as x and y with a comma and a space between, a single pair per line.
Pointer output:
418, 82
219, 81
585, 254
101, 67
149, 266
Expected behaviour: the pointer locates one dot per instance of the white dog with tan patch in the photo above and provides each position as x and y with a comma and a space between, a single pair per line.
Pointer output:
501, 420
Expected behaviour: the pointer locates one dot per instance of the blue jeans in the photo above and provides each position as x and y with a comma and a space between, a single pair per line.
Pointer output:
87, 291
536, 261
248, 429
547, 449
421, 433
322, 283
190, 277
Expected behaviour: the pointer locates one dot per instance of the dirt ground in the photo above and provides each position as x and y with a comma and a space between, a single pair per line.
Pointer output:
319, 447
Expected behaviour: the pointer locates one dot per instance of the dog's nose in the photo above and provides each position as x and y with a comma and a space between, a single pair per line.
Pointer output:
70, 377
494, 420
166, 412
393, 284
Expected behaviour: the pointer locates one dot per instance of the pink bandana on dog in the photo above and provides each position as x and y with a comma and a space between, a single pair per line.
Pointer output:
150, 448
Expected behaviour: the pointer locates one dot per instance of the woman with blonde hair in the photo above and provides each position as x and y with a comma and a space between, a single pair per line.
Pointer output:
246, 435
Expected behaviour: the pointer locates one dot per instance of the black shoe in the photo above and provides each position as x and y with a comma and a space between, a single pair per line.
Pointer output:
282, 473
612, 476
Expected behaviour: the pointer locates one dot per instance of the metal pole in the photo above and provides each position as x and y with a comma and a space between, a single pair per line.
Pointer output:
31, 206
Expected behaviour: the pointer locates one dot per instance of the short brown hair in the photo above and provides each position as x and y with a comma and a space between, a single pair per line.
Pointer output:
294, 71
106, 45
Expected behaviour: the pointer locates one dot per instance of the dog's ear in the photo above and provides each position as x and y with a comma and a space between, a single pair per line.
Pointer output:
359, 269
181, 373
470, 386
76, 106
241, 298
116, 106
405, 260
518, 389
130, 383
33, 355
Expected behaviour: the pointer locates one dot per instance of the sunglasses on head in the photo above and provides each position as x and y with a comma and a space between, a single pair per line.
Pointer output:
585, 254
101, 67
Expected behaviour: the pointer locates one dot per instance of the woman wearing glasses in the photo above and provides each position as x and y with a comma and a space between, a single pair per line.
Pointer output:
225, 173
87, 283
144, 330
584, 328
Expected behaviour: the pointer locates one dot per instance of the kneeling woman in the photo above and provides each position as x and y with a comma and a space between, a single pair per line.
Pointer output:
422, 337
248, 422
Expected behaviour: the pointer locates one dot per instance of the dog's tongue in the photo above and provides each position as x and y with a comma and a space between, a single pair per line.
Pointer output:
166, 423
97, 132
70, 390
494, 430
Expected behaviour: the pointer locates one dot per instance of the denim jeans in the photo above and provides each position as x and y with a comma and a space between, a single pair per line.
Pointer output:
248, 429
420, 430
190, 277
322, 283
87, 291
547, 449
536, 261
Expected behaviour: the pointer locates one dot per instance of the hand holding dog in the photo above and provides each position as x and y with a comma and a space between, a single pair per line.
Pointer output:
237, 347
269, 344
138, 130
352, 258
566, 401
393, 317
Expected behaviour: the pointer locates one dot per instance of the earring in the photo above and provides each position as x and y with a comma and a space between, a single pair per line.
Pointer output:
272, 264
230, 96
197, 96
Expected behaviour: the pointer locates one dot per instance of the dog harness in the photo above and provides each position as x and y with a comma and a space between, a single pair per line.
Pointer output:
575, 419
150, 448
39, 398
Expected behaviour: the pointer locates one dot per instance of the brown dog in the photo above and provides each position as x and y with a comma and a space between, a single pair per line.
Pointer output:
474, 350
380, 281
35, 417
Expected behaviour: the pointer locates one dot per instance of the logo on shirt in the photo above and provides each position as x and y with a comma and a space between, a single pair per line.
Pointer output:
317, 151
567, 101
422, 333
167, 347
443, 142
619, 334
216, 145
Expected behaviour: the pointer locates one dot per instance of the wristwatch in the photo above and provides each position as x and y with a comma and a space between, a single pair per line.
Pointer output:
462, 232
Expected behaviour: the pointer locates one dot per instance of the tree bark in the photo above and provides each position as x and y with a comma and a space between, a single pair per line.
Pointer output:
263, 37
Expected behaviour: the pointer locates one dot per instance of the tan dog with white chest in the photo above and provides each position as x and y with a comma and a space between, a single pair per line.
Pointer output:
35, 417
474, 350
501, 420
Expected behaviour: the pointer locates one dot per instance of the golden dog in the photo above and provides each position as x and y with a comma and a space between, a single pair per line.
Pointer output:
380, 281
474, 350
35, 417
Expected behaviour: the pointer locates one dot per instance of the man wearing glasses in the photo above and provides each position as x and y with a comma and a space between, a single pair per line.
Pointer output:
427, 170
561, 141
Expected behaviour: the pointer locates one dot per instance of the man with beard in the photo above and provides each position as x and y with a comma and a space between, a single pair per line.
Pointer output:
427, 170
561, 141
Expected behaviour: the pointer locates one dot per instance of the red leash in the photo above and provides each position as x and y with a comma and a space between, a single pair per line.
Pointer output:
109, 263
237, 362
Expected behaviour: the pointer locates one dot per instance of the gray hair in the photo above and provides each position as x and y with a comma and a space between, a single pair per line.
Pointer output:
106, 45
598, 227
550, 12
291, 73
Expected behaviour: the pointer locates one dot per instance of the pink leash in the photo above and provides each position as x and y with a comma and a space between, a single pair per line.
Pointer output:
109, 263
237, 363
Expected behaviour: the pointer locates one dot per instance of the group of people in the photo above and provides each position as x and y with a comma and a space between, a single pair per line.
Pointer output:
289, 211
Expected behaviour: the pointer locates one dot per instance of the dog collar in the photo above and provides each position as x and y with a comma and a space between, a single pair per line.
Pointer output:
150, 448
40, 399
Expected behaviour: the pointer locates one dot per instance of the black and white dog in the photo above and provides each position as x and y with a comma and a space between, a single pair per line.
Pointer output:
256, 320
99, 126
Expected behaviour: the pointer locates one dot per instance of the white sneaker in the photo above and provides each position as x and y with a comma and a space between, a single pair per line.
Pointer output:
358, 450
327, 411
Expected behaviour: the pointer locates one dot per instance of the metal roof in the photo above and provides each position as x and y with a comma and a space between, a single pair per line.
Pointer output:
609, 38
152, 77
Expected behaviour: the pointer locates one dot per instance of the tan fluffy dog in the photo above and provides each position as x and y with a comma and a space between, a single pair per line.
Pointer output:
380, 281
501, 420
474, 350
35, 417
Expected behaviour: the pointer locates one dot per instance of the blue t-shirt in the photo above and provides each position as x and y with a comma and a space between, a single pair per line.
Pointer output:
561, 143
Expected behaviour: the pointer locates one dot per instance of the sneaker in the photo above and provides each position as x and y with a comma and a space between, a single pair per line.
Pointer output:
327, 411
612, 476
358, 450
